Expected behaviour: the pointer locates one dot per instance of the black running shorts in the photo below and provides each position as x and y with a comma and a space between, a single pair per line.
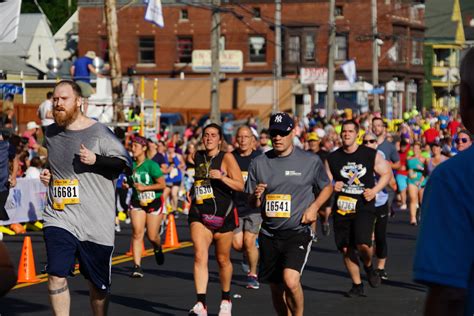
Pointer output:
351, 230
277, 254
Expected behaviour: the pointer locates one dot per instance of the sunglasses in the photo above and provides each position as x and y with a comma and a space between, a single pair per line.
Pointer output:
369, 141
459, 140
275, 133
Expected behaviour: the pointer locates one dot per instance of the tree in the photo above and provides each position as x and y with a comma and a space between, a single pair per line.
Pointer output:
57, 11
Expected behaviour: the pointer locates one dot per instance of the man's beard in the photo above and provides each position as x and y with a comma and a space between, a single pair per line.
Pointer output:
64, 117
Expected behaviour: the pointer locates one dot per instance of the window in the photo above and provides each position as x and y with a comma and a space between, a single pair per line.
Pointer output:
103, 51
257, 49
338, 12
416, 52
257, 14
341, 47
310, 47
183, 14
300, 45
146, 50
294, 50
185, 49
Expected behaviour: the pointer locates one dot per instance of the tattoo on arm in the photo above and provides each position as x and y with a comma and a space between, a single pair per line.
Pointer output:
58, 291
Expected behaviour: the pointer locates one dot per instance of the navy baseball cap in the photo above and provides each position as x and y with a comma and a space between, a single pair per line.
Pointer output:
281, 121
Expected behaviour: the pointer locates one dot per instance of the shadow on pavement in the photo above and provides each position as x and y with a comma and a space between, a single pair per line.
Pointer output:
13, 306
141, 304
309, 288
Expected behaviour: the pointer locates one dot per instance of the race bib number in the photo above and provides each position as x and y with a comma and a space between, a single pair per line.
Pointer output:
65, 192
203, 191
245, 175
346, 205
278, 205
146, 197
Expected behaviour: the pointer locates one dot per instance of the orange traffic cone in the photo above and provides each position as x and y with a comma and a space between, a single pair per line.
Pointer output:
130, 252
26, 268
171, 240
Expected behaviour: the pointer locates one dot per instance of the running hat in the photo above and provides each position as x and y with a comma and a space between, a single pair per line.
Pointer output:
313, 137
139, 140
281, 121
171, 145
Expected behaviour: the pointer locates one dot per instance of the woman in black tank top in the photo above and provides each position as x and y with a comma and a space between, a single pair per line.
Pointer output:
212, 216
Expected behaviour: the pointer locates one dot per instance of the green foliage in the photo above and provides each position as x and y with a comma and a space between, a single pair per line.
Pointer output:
57, 11
428, 68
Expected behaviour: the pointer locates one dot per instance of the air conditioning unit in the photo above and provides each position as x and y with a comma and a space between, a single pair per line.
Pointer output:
416, 61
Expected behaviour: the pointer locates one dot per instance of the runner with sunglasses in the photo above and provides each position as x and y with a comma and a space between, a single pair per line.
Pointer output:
212, 216
281, 183
463, 140
381, 213
351, 169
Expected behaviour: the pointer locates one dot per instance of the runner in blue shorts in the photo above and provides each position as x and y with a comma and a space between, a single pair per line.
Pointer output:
85, 159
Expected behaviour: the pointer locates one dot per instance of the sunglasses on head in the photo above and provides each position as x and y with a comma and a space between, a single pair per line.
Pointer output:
463, 140
369, 141
275, 133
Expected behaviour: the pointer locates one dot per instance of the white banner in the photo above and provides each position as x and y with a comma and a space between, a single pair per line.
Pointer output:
154, 13
313, 75
9, 20
25, 202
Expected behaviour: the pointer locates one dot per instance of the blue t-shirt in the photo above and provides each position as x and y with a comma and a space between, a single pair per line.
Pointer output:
81, 69
444, 252
444, 120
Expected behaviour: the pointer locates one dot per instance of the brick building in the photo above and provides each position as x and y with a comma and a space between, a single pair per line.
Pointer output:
248, 26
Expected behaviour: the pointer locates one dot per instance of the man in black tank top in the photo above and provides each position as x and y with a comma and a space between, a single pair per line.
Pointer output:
245, 235
352, 169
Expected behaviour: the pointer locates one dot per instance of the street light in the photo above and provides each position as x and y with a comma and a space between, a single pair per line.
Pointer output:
53, 64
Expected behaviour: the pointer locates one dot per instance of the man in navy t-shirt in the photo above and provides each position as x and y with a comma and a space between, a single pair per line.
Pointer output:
444, 257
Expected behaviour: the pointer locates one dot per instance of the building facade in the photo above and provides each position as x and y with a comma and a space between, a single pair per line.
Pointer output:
248, 26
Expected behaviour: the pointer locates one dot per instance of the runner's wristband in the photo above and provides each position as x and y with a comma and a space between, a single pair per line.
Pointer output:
113, 163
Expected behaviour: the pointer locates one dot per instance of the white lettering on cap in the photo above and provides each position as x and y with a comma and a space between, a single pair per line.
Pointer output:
278, 119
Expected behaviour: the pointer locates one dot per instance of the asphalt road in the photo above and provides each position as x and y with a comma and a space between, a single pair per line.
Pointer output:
169, 289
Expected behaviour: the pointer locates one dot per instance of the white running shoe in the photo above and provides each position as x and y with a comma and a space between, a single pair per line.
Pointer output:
198, 309
226, 308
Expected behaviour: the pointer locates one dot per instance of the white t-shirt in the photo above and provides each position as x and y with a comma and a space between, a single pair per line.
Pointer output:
32, 173
44, 108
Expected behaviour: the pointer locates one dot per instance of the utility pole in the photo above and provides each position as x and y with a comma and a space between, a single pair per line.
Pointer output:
215, 74
375, 57
114, 58
332, 46
277, 71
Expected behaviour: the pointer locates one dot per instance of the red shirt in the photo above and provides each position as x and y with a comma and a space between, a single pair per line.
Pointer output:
430, 135
453, 127
403, 160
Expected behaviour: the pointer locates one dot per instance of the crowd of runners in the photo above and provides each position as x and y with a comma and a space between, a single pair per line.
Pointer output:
259, 190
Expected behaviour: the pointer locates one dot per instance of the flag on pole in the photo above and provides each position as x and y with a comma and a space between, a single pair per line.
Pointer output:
154, 13
392, 53
9, 20
349, 70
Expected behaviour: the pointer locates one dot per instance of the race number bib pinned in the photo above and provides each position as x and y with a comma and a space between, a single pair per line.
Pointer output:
278, 205
65, 191
346, 205
203, 191
146, 197
245, 175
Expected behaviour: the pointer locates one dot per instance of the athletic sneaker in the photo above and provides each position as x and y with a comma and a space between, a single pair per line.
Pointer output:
373, 277
382, 273
117, 228
315, 238
226, 308
252, 282
159, 256
198, 309
356, 291
326, 229
137, 272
